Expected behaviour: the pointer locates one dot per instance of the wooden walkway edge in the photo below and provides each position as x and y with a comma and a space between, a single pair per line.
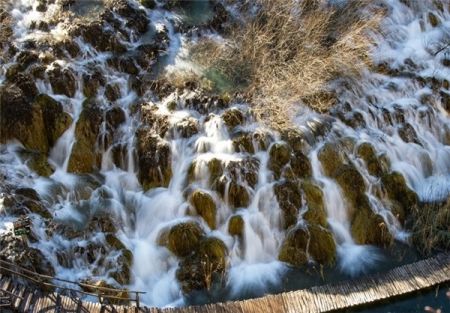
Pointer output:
330, 297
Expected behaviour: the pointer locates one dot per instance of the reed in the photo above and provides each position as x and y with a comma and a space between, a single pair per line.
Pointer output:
289, 51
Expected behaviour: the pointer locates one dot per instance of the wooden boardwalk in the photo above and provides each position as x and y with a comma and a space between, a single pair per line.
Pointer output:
399, 281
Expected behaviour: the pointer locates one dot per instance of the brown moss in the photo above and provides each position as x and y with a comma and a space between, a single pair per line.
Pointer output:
205, 206
183, 238
316, 213
236, 225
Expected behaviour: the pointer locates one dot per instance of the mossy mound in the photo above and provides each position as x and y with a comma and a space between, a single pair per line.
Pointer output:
352, 185
233, 118
400, 194
183, 238
315, 241
316, 213
236, 225
367, 152
290, 200
330, 158
279, 156
367, 227
154, 160
205, 267
205, 206
84, 158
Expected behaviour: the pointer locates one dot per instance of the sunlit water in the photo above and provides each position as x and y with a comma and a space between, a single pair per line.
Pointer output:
254, 268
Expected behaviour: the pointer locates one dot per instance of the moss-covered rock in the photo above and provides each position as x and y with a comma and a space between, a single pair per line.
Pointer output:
36, 161
186, 128
299, 167
236, 226
25, 201
17, 251
21, 120
295, 139
84, 158
232, 118
205, 206
154, 160
92, 82
330, 159
293, 249
322, 247
154, 120
314, 241
352, 185
112, 92
367, 152
279, 156
316, 213
244, 143
56, 120
403, 198
243, 170
183, 238
289, 198
433, 19
408, 133
205, 267
63, 81
149, 4
367, 227
237, 197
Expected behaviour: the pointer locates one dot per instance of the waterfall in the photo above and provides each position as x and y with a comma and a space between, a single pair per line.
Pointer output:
402, 117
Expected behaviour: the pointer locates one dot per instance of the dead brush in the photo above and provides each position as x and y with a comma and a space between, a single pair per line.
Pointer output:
431, 229
289, 50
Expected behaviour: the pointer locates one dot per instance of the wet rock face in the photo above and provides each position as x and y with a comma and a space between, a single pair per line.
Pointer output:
154, 160
154, 121
21, 120
314, 241
56, 120
186, 128
330, 159
367, 152
136, 18
280, 154
25, 201
232, 118
398, 192
290, 200
184, 238
84, 158
368, 227
205, 206
236, 226
18, 251
63, 81
316, 213
36, 125
205, 267
92, 82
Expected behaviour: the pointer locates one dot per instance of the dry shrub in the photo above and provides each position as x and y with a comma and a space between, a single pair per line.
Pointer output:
289, 50
431, 230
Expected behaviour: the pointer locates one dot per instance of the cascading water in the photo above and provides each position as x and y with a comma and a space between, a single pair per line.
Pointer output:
196, 146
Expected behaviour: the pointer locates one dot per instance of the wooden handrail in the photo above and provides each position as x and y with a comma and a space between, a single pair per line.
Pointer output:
38, 278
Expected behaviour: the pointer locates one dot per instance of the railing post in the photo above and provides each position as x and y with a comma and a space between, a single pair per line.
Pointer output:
137, 300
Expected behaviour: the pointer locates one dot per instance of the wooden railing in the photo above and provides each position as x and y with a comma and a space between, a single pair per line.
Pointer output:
105, 295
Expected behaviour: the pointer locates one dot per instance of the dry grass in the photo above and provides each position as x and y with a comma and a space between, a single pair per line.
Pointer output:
431, 230
290, 50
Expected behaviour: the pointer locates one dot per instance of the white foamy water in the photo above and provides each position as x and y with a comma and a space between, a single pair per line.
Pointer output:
142, 215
